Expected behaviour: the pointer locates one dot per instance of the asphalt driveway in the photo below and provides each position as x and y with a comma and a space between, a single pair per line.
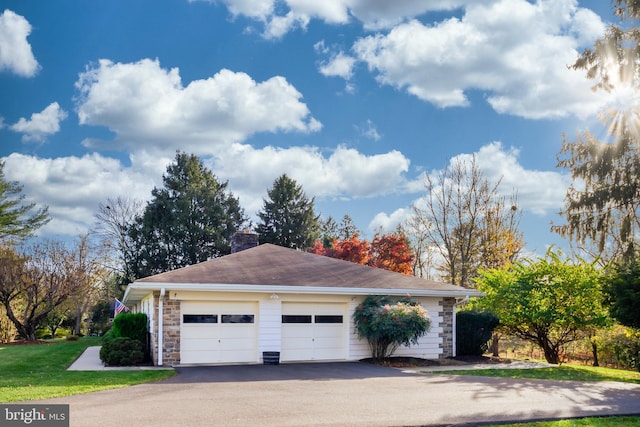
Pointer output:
342, 394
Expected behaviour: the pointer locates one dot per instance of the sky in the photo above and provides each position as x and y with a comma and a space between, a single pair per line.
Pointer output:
356, 100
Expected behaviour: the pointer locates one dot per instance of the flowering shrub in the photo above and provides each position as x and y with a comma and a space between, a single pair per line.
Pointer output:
388, 323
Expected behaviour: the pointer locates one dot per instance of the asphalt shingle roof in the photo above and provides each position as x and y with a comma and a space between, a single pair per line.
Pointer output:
273, 265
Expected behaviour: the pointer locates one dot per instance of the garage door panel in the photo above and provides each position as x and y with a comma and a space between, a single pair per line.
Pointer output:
328, 330
244, 332
312, 338
194, 333
198, 344
231, 339
200, 357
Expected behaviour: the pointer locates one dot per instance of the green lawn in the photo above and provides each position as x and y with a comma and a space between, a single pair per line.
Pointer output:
31, 372
564, 372
583, 422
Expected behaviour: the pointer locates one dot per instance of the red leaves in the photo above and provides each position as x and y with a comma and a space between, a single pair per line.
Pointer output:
388, 251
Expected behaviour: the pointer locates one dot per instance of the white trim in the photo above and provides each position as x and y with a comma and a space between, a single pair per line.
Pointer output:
160, 325
284, 289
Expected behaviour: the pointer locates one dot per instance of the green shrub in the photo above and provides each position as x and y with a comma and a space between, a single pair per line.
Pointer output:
122, 352
130, 325
619, 346
388, 323
473, 332
72, 337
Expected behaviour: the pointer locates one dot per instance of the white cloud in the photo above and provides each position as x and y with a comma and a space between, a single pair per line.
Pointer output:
72, 187
369, 130
515, 51
281, 17
343, 173
42, 124
339, 65
539, 192
15, 51
147, 107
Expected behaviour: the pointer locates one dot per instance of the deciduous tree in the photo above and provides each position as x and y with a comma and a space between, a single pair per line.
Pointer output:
548, 301
34, 284
391, 252
466, 221
114, 220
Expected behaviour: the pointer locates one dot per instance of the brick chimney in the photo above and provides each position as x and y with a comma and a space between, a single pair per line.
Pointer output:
242, 240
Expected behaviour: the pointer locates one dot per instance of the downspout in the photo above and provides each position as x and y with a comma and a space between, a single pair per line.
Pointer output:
160, 331
454, 325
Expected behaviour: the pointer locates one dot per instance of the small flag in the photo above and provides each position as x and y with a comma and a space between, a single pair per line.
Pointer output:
120, 307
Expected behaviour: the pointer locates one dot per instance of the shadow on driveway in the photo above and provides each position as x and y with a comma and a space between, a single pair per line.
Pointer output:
284, 372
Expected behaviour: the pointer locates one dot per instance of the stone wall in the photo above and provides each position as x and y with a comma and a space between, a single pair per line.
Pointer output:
171, 331
446, 335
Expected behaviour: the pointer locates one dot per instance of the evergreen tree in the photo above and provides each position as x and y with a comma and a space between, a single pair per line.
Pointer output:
16, 221
347, 229
602, 203
287, 217
190, 219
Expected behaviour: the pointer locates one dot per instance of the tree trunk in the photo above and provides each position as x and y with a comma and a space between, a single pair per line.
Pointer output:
594, 350
551, 353
495, 345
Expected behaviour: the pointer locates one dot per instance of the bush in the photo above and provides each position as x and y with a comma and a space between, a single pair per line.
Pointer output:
122, 352
473, 332
131, 325
620, 346
72, 337
388, 323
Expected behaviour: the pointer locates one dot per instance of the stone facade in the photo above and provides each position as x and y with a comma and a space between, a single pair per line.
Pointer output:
171, 331
446, 335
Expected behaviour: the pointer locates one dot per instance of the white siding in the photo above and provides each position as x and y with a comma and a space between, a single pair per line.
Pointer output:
269, 310
269, 331
428, 346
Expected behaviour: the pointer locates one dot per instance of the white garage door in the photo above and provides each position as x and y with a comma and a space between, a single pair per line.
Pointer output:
218, 332
312, 331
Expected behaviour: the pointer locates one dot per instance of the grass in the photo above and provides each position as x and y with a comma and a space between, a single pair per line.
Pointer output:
34, 372
582, 422
563, 373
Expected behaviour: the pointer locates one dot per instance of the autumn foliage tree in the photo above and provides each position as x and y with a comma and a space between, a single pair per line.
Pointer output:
387, 251
391, 252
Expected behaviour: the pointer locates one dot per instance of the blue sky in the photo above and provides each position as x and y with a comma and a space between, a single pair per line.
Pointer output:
355, 99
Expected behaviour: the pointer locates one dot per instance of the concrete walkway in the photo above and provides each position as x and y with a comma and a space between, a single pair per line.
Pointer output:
89, 360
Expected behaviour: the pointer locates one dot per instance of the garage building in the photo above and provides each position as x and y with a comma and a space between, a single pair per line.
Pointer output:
268, 298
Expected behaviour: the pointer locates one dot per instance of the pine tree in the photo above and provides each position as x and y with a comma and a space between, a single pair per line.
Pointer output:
16, 221
190, 219
287, 217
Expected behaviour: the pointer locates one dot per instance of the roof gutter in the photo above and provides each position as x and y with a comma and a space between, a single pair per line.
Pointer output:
284, 289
